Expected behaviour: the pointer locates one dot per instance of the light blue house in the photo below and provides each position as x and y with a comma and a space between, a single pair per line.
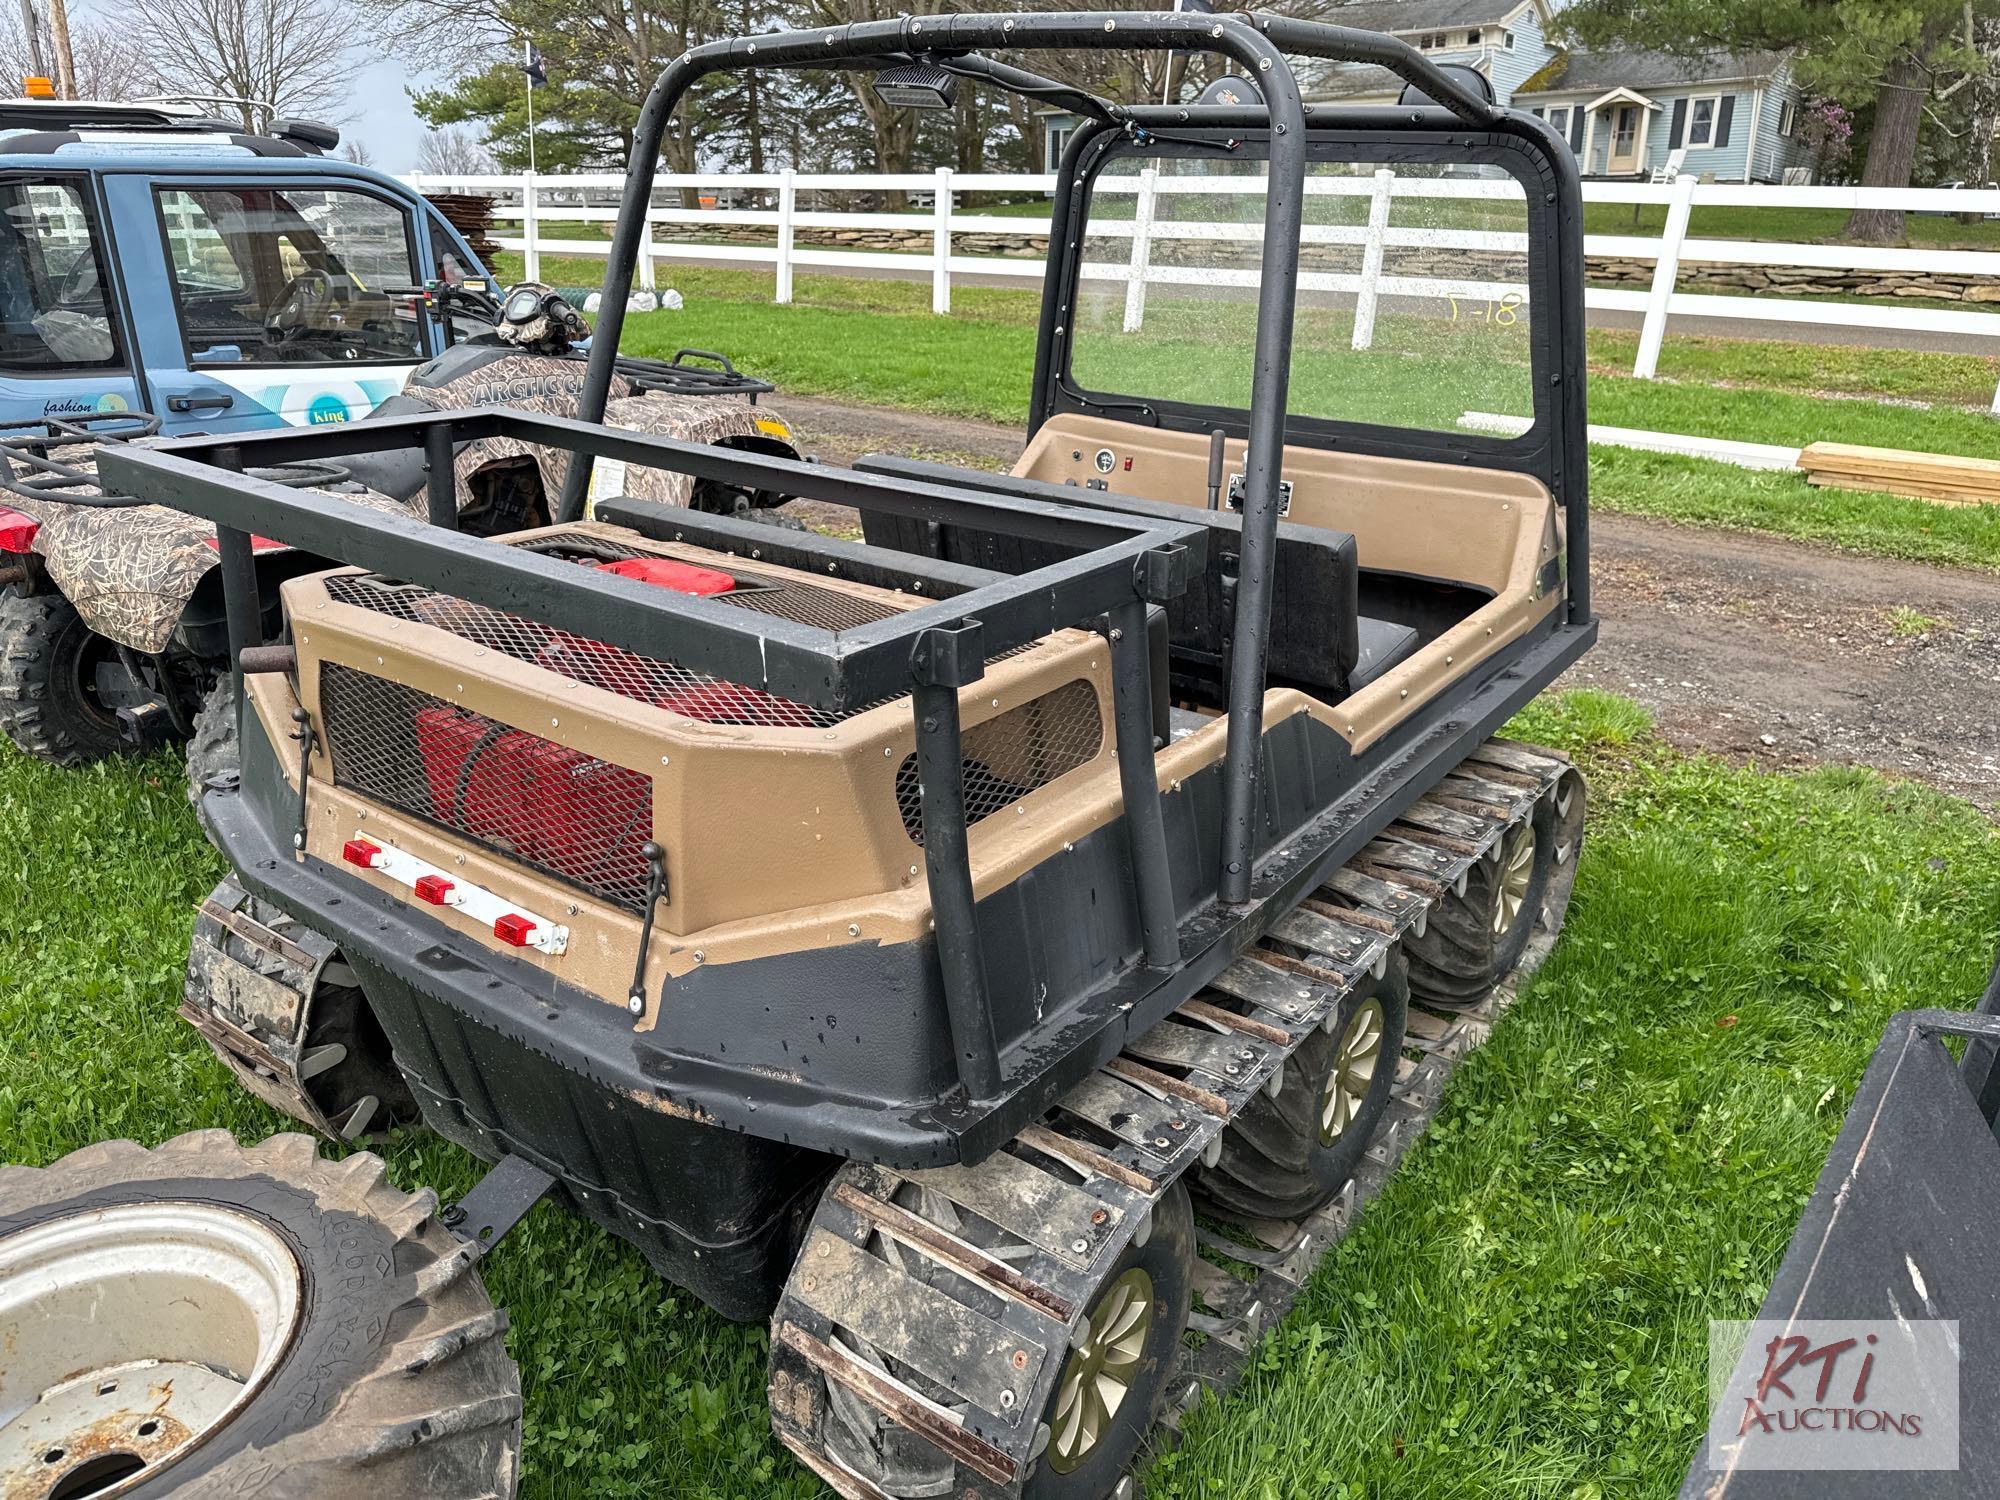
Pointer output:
1507, 40
1728, 117
1731, 117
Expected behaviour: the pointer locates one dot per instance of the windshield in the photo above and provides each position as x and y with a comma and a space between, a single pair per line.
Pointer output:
291, 276
52, 309
1412, 309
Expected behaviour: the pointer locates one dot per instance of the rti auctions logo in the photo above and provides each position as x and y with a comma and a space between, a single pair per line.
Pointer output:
1796, 1358
1820, 1394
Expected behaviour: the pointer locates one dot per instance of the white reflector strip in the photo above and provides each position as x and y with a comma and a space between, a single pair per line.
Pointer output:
476, 902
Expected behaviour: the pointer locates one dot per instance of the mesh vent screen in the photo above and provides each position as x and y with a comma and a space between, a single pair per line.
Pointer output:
648, 679
564, 813
1013, 753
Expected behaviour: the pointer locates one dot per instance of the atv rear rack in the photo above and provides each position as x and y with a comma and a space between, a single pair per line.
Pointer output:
1118, 565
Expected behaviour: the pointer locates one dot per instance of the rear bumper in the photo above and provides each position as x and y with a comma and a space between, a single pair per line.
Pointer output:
472, 1025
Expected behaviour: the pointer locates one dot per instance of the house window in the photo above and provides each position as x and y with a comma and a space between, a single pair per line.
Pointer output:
1472, 39
1058, 139
1558, 118
1788, 117
1507, 40
1702, 114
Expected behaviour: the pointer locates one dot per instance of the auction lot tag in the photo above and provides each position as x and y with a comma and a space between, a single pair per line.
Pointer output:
1832, 1393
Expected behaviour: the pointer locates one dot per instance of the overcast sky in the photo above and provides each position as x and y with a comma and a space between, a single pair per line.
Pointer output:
380, 116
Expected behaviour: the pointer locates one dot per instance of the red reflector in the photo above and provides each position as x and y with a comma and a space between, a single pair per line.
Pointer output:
257, 544
17, 532
434, 889
682, 578
514, 929
361, 852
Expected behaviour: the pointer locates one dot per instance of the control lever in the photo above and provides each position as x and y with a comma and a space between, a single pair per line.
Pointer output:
1215, 442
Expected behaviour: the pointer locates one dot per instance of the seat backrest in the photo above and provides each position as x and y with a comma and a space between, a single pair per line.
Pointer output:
1315, 588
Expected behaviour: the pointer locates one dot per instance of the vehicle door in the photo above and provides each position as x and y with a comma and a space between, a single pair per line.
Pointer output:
64, 349
278, 298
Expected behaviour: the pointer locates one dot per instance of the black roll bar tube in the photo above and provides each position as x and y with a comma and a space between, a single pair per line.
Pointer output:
1240, 41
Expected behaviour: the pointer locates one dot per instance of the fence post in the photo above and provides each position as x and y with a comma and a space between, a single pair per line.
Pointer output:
1142, 249
531, 255
1666, 271
941, 244
1371, 260
788, 206
648, 277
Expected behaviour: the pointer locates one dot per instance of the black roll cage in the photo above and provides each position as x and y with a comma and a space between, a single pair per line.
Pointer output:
1259, 42
1114, 560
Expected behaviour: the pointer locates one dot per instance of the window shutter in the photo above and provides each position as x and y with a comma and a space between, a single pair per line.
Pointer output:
1677, 136
1576, 128
1722, 120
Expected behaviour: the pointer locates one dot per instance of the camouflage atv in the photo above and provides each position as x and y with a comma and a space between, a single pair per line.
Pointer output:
112, 631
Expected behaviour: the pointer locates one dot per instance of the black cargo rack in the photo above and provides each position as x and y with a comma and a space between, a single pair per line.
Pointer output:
1120, 564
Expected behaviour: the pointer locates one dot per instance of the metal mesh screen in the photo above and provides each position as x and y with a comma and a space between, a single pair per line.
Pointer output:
1012, 753
648, 679
564, 813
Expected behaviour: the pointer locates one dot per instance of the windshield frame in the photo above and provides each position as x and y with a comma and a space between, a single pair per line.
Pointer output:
1415, 138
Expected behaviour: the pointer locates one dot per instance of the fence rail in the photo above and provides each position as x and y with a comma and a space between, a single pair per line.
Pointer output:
789, 203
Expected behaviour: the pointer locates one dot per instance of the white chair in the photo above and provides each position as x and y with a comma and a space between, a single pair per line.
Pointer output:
1669, 169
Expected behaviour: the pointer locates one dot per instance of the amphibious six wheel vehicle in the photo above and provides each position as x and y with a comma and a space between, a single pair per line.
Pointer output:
894, 939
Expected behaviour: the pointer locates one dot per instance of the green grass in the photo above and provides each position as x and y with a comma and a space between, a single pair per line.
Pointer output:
1524, 1309
875, 341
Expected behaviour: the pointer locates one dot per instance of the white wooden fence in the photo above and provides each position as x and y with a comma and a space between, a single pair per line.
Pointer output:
540, 202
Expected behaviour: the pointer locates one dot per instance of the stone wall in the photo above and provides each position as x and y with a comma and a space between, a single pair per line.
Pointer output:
1603, 270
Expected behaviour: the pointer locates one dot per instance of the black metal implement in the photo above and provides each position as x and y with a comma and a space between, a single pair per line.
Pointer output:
1113, 566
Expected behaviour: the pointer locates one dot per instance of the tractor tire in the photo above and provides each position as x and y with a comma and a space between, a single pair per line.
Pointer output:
49, 661
1283, 1158
1475, 940
306, 1330
212, 751
1162, 1268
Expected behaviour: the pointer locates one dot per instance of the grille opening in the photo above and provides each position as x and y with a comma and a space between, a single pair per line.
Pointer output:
1013, 753
556, 810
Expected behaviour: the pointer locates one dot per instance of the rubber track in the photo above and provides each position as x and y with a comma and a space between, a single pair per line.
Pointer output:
939, 1303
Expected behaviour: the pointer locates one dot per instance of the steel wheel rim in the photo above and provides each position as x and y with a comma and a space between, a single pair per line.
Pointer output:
130, 1334
1354, 1062
1102, 1370
1517, 872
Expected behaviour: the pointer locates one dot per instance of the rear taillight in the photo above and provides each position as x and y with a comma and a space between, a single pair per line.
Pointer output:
434, 889
515, 929
17, 532
361, 852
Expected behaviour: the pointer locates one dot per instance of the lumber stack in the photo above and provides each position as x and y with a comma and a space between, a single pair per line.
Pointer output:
1926, 476
472, 216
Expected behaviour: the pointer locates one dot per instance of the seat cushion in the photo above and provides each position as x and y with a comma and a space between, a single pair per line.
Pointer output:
1383, 644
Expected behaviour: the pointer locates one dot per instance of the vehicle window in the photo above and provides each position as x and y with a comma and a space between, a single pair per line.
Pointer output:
291, 276
202, 261
453, 271
1412, 305
53, 314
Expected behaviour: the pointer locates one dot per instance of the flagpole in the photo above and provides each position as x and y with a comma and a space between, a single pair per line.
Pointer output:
529, 73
